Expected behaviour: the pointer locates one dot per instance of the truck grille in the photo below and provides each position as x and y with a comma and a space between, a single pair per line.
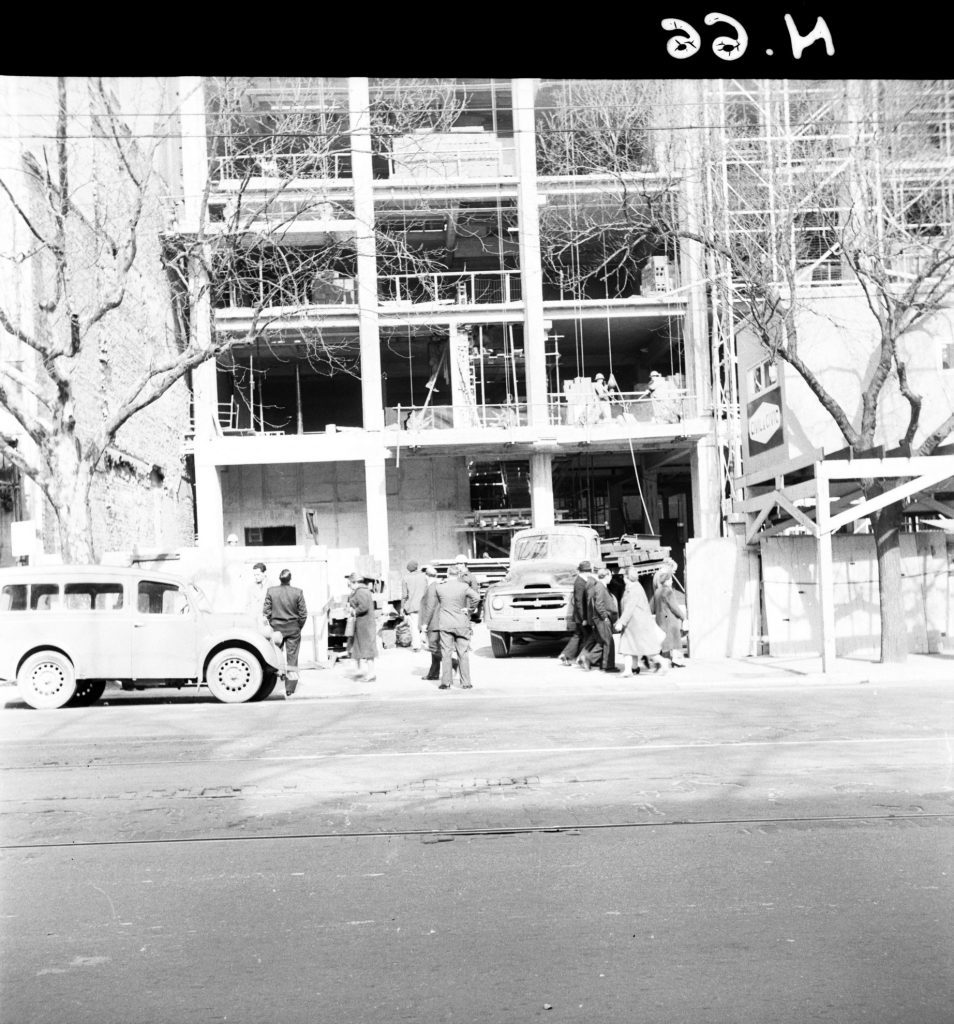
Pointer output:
538, 600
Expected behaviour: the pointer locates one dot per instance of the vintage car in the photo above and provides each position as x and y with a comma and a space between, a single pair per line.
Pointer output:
66, 631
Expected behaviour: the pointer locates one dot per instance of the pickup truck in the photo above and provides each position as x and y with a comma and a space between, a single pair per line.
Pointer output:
535, 599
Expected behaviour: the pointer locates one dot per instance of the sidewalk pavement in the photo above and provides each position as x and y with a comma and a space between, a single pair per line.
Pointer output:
535, 669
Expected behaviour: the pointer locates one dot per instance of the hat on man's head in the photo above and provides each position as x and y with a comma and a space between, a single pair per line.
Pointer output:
353, 577
584, 566
412, 566
655, 373
460, 559
429, 570
600, 376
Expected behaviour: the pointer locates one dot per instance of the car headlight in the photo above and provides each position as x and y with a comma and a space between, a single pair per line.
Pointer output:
497, 603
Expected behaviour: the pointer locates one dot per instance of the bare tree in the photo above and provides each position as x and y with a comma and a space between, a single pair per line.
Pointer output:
89, 251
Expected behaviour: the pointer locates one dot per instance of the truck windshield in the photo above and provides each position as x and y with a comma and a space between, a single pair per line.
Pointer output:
553, 547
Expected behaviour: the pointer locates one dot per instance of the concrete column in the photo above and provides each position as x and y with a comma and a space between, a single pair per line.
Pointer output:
462, 396
531, 274
706, 499
195, 158
209, 507
376, 497
362, 180
824, 572
541, 489
693, 261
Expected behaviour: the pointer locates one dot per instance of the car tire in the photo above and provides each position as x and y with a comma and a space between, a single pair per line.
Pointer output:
268, 685
500, 645
88, 691
47, 679
234, 675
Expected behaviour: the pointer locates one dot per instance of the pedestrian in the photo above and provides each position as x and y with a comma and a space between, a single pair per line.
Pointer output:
255, 596
286, 612
364, 641
640, 637
430, 608
456, 600
413, 587
602, 611
463, 572
670, 612
589, 633
575, 645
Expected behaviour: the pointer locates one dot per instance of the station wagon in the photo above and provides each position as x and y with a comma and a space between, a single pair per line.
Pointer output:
66, 631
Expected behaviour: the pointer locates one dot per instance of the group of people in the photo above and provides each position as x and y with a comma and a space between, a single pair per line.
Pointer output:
649, 636
438, 613
439, 616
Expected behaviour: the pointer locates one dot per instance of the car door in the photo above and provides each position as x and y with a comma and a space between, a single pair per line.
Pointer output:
164, 632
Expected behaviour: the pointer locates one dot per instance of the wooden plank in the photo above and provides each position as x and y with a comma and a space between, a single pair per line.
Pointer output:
939, 467
792, 466
826, 595
888, 498
753, 528
797, 514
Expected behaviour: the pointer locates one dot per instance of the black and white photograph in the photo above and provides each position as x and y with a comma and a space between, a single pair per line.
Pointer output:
479, 549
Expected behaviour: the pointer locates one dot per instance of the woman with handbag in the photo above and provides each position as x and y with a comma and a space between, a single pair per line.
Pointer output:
364, 640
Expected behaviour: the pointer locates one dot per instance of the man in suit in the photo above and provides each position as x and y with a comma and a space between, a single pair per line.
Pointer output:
286, 613
255, 597
602, 612
413, 587
569, 653
455, 600
429, 621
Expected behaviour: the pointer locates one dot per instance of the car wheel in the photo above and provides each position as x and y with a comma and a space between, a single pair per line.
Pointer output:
88, 691
500, 644
268, 685
47, 680
234, 675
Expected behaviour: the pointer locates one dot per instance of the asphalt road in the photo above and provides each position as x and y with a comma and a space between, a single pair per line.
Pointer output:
773, 854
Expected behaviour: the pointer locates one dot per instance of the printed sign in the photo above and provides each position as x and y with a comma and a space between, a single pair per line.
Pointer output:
765, 422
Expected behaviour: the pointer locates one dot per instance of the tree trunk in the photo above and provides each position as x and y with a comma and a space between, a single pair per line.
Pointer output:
69, 496
894, 633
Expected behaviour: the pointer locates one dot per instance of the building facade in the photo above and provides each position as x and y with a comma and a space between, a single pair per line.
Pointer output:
441, 327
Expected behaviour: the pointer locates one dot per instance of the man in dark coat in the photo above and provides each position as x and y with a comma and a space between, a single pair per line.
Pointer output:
575, 645
430, 608
602, 612
287, 613
456, 600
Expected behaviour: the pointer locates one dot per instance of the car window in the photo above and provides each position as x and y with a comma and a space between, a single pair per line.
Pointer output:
100, 597
44, 597
13, 598
156, 598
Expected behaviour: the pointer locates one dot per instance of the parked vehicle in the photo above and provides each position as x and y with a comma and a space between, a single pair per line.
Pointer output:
66, 631
535, 599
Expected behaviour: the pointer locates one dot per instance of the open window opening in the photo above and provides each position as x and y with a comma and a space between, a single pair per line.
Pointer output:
262, 276
298, 386
464, 253
602, 368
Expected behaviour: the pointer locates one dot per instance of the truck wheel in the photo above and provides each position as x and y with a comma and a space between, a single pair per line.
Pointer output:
234, 675
88, 691
500, 644
47, 680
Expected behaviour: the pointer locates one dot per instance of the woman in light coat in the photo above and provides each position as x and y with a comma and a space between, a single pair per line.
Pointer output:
670, 611
364, 642
640, 637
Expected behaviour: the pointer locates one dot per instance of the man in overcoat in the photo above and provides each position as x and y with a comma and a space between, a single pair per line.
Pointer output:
430, 609
287, 613
575, 645
602, 611
413, 587
456, 600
